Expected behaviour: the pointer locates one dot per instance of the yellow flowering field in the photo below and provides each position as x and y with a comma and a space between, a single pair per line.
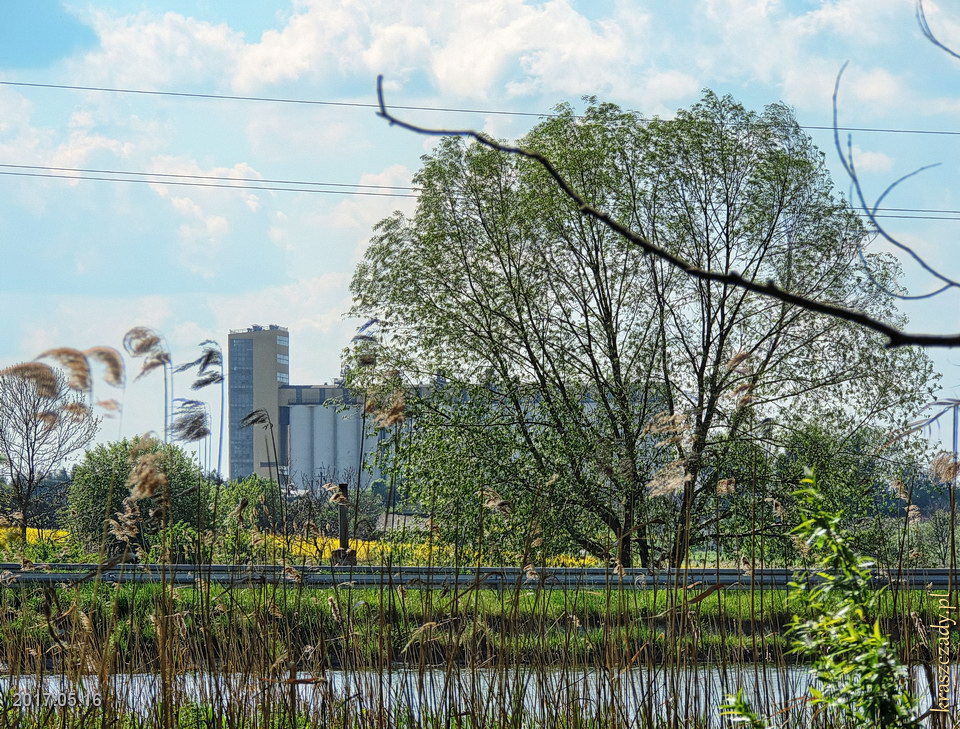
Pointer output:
319, 549
11, 535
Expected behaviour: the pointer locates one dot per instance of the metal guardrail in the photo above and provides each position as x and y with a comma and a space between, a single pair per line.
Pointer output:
367, 576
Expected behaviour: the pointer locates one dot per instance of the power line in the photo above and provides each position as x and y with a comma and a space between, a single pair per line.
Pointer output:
263, 180
923, 213
228, 179
444, 109
204, 184
270, 99
209, 177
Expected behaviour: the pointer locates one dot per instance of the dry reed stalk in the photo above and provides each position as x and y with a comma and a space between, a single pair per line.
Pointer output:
914, 516
147, 478
495, 502
140, 341
664, 423
668, 480
153, 361
77, 411
390, 413
726, 486
124, 527
944, 468
900, 489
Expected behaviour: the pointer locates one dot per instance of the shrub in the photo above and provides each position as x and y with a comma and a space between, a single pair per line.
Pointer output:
100, 484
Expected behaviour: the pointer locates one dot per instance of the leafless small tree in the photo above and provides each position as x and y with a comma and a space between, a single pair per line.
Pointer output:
42, 422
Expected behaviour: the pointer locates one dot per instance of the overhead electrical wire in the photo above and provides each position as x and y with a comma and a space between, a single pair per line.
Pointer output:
230, 183
11, 173
443, 109
92, 170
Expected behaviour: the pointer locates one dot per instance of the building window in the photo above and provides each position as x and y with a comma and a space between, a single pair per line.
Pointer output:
240, 369
283, 378
283, 359
283, 341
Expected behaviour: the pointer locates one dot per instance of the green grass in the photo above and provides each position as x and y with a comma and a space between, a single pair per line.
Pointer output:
372, 627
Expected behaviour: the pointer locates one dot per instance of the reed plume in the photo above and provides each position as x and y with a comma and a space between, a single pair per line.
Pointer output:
42, 376
726, 486
256, 417
146, 478
668, 480
75, 363
140, 341
190, 421
152, 361
944, 468
112, 361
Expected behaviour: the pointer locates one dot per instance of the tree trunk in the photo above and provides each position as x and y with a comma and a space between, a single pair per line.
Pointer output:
633, 535
625, 537
681, 544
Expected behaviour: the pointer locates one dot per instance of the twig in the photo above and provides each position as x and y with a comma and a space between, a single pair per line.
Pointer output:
846, 159
896, 337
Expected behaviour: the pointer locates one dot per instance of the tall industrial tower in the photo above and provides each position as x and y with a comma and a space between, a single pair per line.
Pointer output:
258, 364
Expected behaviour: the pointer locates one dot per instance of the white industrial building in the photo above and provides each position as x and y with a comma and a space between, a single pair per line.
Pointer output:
326, 436
322, 433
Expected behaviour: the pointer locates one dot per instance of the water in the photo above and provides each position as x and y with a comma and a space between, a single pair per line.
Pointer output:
541, 694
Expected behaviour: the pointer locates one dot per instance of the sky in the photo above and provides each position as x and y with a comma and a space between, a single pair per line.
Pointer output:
82, 261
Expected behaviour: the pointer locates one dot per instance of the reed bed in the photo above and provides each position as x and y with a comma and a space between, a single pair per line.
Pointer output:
246, 656
293, 655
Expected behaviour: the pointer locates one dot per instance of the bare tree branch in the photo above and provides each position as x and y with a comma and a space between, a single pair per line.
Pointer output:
40, 427
846, 159
928, 33
895, 336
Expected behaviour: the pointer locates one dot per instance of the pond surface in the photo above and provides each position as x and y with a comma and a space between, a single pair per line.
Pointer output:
541, 694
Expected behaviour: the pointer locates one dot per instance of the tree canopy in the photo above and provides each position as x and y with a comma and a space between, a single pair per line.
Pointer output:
105, 478
593, 388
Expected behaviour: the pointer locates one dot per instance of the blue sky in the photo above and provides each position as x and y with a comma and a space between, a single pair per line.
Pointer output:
82, 261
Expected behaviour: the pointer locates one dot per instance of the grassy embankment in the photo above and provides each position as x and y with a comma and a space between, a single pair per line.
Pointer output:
90, 625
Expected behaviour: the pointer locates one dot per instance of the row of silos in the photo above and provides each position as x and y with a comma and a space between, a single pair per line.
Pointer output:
325, 443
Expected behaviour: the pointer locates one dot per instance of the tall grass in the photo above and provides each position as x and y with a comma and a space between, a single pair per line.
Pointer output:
633, 653
287, 654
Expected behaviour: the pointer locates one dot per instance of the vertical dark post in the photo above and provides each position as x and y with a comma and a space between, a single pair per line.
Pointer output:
344, 518
344, 555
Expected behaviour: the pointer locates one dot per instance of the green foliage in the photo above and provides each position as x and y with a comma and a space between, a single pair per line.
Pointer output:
859, 674
836, 626
100, 484
560, 344
254, 500
856, 468
179, 543
739, 712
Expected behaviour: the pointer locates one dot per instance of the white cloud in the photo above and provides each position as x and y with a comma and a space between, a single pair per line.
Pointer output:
273, 131
360, 214
149, 51
869, 161
470, 50
207, 212
763, 42
857, 21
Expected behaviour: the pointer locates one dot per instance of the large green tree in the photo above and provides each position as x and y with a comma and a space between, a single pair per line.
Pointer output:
591, 386
107, 475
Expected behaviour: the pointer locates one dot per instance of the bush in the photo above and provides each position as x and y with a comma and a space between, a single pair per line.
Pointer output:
100, 484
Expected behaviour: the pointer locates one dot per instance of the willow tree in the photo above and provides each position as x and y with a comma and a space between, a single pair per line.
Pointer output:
593, 389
